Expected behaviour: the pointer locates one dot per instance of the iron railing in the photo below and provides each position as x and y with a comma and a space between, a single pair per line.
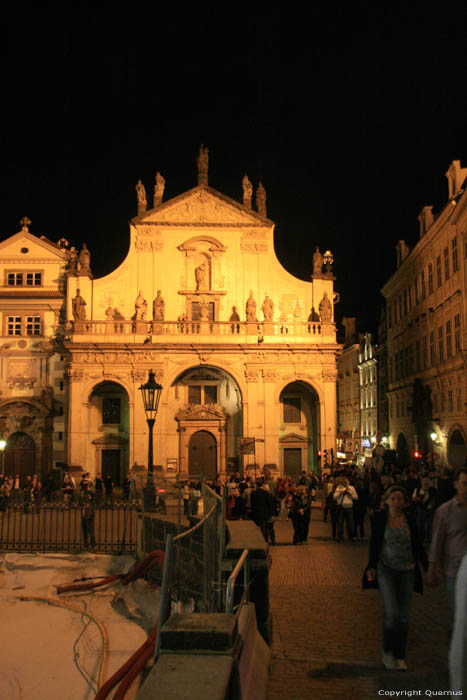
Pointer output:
69, 529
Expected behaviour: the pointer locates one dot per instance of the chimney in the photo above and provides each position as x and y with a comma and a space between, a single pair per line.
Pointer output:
425, 219
402, 252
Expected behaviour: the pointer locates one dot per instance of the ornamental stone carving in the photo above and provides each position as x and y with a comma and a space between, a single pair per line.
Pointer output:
269, 375
251, 375
329, 375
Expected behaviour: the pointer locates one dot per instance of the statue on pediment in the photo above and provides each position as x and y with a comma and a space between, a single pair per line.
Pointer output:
261, 199
73, 259
158, 307
325, 309
158, 189
268, 309
251, 308
201, 276
247, 191
141, 307
317, 262
84, 261
202, 160
78, 306
141, 195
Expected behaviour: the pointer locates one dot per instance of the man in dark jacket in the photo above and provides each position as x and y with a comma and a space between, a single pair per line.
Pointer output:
262, 510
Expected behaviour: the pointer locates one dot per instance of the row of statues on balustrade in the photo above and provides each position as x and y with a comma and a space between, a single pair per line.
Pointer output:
324, 314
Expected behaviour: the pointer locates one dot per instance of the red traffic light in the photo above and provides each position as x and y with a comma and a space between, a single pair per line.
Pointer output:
417, 454
319, 453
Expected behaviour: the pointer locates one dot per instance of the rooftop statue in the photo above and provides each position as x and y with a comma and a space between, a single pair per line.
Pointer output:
141, 195
78, 306
141, 307
247, 191
201, 276
317, 262
159, 189
325, 309
268, 309
158, 307
251, 308
261, 200
203, 160
84, 261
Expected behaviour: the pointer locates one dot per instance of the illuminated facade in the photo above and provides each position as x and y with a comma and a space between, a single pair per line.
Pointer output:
426, 334
368, 380
241, 347
348, 391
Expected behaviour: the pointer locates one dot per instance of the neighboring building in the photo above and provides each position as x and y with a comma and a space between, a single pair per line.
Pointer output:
32, 388
241, 347
427, 334
348, 391
381, 354
368, 378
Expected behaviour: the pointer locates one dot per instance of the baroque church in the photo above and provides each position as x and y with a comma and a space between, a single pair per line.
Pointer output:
242, 348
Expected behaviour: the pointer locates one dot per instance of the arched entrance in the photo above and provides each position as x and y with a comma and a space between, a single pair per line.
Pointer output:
202, 455
299, 429
109, 430
402, 449
457, 450
20, 455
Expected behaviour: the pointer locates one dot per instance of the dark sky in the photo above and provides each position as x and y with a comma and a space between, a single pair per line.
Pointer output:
350, 117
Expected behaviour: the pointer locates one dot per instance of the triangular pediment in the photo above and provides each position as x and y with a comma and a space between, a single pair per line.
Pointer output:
110, 439
37, 247
202, 205
294, 438
201, 412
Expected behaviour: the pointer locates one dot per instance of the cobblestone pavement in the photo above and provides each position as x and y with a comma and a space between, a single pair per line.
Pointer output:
327, 630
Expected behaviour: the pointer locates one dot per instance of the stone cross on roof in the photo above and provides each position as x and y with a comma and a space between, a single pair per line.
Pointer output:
25, 222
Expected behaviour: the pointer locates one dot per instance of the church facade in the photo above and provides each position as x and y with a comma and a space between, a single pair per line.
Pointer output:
241, 348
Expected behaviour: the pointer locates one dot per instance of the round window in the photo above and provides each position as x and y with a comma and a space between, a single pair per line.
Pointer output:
25, 250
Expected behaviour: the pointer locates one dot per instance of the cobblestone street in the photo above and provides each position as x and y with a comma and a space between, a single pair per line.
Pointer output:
327, 630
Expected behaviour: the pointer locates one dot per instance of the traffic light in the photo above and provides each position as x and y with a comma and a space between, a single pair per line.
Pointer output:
325, 456
417, 454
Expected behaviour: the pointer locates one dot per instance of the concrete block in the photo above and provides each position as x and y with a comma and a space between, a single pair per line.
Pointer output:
201, 631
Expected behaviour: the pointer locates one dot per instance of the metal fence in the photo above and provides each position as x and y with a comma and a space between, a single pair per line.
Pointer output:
195, 564
69, 529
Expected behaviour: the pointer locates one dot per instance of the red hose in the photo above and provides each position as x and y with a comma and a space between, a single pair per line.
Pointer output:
131, 668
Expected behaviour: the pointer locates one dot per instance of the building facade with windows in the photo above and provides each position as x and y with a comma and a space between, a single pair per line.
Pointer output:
368, 380
426, 334
241, 348
348, 392
32, 384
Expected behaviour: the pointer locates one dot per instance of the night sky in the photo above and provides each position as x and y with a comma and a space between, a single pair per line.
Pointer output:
350, 118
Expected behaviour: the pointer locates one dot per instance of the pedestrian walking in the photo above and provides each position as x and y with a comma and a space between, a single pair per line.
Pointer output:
87, 521
345, 495
301, 513
262, 510
449, 539
109, 489
395, 553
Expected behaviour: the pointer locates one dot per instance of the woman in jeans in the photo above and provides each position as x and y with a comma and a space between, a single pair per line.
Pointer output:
395, 553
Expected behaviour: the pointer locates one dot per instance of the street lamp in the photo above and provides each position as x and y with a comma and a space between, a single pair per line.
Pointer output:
434, 439
328, 260
2, 449
151, 393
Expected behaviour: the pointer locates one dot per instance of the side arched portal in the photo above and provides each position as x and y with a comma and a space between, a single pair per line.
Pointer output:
20, 455
299, 429
202, 455
457, 449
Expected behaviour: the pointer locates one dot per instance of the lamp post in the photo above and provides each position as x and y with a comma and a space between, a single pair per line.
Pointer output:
151, 393
2, 450
434, 439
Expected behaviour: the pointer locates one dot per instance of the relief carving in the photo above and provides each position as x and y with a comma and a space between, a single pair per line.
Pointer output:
251, 375
269, 375
329, 375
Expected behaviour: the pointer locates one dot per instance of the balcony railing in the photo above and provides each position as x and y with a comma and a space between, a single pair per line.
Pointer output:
202, 328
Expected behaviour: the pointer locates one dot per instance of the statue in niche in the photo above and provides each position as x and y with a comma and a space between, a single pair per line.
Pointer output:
141, 195
261, 200
268, 309
79, 307
202, 160
247, 191
251, 308
325, 308
201, 276
313, 317
317, 262
73, 259
141, 307
84, 264
159, 189
158, 307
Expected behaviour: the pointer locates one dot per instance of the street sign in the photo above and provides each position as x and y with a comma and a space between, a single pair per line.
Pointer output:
246, 445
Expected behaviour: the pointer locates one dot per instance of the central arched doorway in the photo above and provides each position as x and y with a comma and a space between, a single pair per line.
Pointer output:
202, 455
109, 431
20, 455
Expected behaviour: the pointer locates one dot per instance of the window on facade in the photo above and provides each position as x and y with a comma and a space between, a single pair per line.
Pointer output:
435, 403
442, 402
415, 291
389, 316
457, 333
440, 344
398, 410
23, 325
455, 261
417, 356
459, 399
21, 279
422, 280
411, 359
446, 263
391, 375
400, 306
430, 278
432, 348
111, 410
450, 405
448, 339
210, 393
409, 297
194, 394
292, 409
439, 278
425, 352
